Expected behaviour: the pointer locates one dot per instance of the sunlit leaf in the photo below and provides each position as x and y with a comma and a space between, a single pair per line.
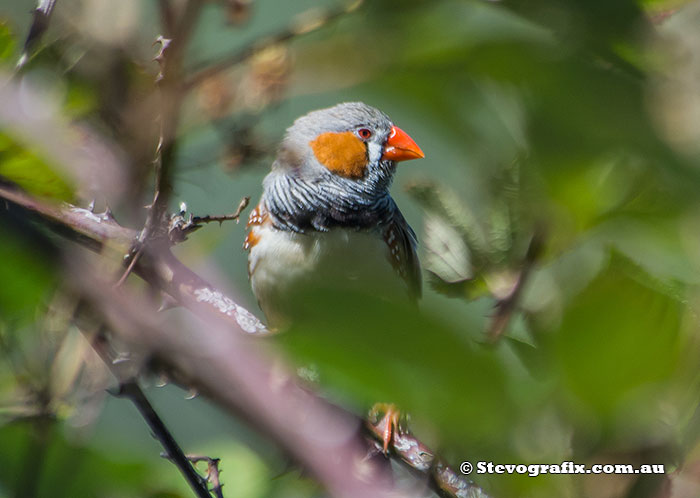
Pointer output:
30, 171
447, 255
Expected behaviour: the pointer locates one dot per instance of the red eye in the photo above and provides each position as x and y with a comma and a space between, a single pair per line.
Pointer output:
364, 133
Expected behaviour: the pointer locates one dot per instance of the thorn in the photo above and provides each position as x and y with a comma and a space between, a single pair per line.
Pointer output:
183, 208
163, 41
192, 393
121, 358
22, 61
91, 206
167, 303
108, 212
162, 380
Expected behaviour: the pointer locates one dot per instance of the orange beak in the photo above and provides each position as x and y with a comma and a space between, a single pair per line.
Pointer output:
400, 147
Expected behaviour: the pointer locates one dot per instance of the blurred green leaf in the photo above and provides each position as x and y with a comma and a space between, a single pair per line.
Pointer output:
620, 338
8, 45
30, 171
377, 351
27, 275
43, 460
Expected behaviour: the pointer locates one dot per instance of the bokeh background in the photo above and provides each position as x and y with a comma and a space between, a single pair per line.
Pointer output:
557, 211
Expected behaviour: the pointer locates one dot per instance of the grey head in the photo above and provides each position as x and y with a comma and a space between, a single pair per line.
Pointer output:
347, 117
331, 171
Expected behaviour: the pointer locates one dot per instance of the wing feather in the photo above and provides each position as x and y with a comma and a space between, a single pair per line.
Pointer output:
402, 243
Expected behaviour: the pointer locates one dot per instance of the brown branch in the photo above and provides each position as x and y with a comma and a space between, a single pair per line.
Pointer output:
169, 80
420, 458
247, 379
100, 232
216, 347
306, 22
167, 16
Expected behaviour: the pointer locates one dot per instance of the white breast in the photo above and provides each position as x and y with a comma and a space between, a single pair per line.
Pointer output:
283, 262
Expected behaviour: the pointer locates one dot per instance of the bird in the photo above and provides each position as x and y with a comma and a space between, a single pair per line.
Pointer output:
326, 216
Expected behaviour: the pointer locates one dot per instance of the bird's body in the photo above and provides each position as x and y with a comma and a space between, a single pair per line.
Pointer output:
326, 218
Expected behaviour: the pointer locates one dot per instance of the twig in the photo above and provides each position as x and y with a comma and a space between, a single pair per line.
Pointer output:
132, 391
307, 22
233, 216
169, 80
133, 258
505, 307
179, 228
212, 471
40, 24
167, 16
129, 388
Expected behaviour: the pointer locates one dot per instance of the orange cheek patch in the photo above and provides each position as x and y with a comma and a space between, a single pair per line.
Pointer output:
342, 153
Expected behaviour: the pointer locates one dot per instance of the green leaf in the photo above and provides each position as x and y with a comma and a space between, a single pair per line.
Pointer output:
372, 351
26, 275
619, 340
40, 457
32, 172
8, 45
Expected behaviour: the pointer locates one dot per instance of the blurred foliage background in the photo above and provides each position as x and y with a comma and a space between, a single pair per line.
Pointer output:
557, 213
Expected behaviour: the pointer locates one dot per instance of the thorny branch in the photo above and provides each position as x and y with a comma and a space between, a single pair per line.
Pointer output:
193, 292
99, 232
133, 392
170, 59
130, 389
179, 227
245, 378
212, 471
